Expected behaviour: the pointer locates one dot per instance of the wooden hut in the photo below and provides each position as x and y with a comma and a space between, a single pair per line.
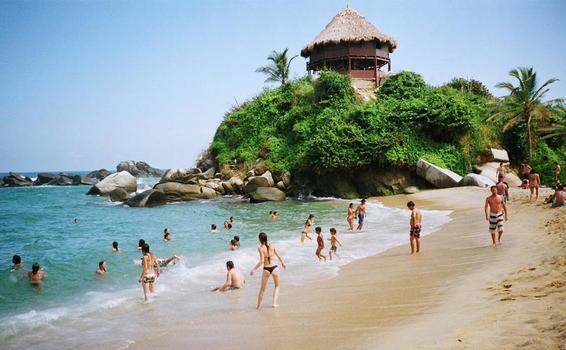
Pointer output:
349, 44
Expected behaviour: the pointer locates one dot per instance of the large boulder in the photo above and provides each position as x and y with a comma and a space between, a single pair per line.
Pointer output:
149, 198
236, 183
16, 180
84, 180
175, 191
477, 180
122, 179
175, 175
216, 186
98, 174
228, 188
489, 170
513, 180
254, 182
437, 176
62, 180
286, 178
207, 175
411, 190
140, 168
495, 155
265, 194
118, 195
207, 193
44, 178
269, 178
280, 185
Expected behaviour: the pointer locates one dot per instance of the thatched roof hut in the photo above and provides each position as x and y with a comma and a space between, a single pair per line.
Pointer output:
350, 44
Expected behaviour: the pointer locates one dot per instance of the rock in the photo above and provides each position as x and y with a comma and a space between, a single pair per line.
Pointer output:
16, 180
255, 182
250, 173
174, 174
218, 176
118, 195
62, 180
495, 155
489, 170
512, 180
228, 188
280, 185
286, 178
44, 178
138, 169
265, 194
411, 190
217, 187
269, 178
437, 176
86, 180
122, 179
477, 180
175, 191
236, 183
98, 174
149, 198
208, 193
207, 175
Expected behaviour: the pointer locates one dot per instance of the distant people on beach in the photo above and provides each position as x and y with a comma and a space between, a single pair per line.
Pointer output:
101, 268
115, 248
557, 173
361, 214
17, 262
333, 243
35, 276
320, 244
234, 279
267, 252
150, 272
415, 223
165, 262
495, 213
141, 242
502, 188
229, 223
307, 227
534, 184
350, 216
501, 171
167, 234
213, 228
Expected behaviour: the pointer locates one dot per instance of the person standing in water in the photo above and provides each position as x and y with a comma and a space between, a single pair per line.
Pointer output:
416, 225
150, 271
267, 252
361, 213
333, 243
495, 215
320, 244
101, 268
351, 216
306, 228
534, 184
35, 276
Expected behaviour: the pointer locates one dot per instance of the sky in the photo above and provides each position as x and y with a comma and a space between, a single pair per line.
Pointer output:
87, 84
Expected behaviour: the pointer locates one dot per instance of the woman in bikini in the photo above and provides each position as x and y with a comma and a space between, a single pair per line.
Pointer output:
150, 271
266, 254
306, 228
351, 216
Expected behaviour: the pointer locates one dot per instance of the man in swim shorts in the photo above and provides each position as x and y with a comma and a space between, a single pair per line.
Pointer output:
416, 224
361, 214
234, 279
496, 214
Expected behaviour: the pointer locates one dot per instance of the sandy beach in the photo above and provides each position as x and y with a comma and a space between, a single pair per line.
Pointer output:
458, 293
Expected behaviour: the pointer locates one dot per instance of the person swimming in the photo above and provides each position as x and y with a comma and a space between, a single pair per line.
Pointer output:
35, 276
213, 228
17, 261
101, 268
115, 248
167, 235
266, 254
141, 242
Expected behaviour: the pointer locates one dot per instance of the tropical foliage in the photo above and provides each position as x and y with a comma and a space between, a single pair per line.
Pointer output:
471, 86
278, 69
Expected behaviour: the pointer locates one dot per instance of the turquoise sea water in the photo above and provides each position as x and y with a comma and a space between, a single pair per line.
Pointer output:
38, 224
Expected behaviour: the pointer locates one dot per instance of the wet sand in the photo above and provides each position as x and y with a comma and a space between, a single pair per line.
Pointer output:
458, 293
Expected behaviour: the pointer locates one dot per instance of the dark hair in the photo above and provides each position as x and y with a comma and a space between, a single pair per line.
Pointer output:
115, 244
318, 229
165, 230
35, 267
501, 163
263, 240
100, 263
310, 217
16, 259
363, 200
232, 242
533, 171
145, 248
229, 226
492, 187
229, 264
410, 204
332, 230
141, 242
237, 238
270, 212
560, 188
213, 226
231, 218
274, 213
350, 205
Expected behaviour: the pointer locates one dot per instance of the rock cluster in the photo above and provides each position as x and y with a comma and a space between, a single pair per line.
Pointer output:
51, 179
121, 180
139, 169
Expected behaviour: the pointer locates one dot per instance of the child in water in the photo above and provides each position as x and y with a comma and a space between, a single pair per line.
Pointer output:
333, 243
320, 242
213, 228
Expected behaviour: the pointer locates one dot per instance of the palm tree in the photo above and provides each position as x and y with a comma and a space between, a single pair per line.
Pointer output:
557, 127
278, 70
524, 103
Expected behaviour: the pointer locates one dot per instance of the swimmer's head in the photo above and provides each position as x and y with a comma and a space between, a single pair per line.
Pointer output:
16, 259
229, 226
213, 227
560, 187
332, 231
35, 267
410, 204
232, 242
229, 265
141, 242
311, 216
270, 212
231, 219
237, 238
318, 229
145, 248
102, 265
115, 245
165, 230
274, 213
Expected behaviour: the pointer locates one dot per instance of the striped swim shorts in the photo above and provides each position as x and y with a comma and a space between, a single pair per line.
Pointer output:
496, 222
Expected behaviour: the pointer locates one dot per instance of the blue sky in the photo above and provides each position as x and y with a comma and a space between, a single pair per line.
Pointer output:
86, 84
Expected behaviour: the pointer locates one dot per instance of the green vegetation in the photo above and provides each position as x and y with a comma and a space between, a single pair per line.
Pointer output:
278, 69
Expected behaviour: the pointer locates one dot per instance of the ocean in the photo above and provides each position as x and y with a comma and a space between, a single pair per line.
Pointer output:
73, 308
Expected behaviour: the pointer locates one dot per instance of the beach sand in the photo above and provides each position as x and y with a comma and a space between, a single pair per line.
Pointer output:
458, 293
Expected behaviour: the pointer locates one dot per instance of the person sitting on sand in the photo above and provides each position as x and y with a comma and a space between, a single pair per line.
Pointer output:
534, 184
320, 244
333, 243
115, 248
266, 254
150, 271
17, 261
559, 197
167, 235
306, 228
502, 188
361, 214
141, 242
416, 226
501, 171
213, 228
35, 276
350, 216
166, 262
496, 214
101, 268
234, 279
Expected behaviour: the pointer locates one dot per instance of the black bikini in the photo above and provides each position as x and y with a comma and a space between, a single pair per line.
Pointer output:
270, 268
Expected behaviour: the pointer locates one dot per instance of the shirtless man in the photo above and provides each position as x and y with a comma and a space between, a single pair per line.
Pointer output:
361, 214
497, 209
502, 188
534, 184
501, 171
17, 261
234, 279
416, 225
35, 276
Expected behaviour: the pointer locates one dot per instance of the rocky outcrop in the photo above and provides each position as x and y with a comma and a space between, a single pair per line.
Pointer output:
149, 198
264, 194
141, 169
16, 180
122, 179
118, 195
477, 180
437, 176
411, 190
98, 174
254, 182
44, 178
175, 191
494, 155
512, 180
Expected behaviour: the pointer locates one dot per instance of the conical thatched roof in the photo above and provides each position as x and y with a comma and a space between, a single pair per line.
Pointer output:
348, 26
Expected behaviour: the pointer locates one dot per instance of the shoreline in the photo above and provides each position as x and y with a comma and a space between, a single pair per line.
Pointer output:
388, 300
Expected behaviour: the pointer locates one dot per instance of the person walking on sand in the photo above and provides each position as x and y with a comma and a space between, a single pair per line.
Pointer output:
496, 214
320, 244
361, 214
534, 184
234, 279
350, 217
501, 171
416, 226
306, 228
502, 188
266, 254
150, 271
556, 173
333, 243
